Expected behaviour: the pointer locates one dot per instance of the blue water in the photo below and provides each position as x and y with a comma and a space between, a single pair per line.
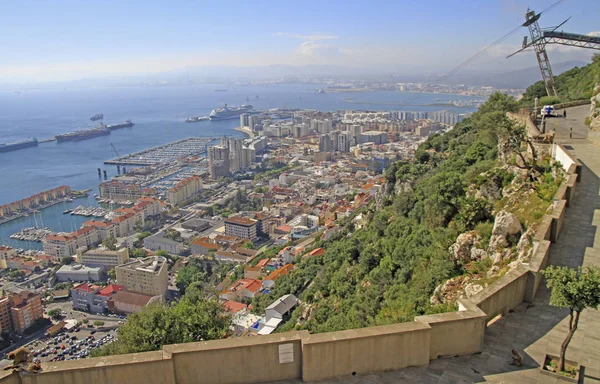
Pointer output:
158, 113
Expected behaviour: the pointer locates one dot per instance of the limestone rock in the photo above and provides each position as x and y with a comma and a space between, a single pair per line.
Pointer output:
505, 224
461, 250
492, 271
478, 254
525, 247
472, 289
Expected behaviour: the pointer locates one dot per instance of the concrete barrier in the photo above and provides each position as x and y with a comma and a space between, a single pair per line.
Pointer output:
571, 185
456, 333
560, 153
238, 360
558, 218
136, 368
504, 294
365, 350
544, 229
538, 262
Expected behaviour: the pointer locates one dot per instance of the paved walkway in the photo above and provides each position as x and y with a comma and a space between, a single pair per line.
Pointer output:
535, 328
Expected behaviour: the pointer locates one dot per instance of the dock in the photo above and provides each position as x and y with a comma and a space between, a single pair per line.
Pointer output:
165, 153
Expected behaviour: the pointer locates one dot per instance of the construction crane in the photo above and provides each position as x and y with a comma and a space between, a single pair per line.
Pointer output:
540, 37
115, 150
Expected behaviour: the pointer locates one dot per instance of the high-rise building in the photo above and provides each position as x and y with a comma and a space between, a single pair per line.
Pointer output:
103, 258
235, 146
244, 120
148, 275
325, 143
19, 311
218, 161
344, 141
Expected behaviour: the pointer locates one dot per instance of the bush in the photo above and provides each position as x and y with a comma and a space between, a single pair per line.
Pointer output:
98, 323
549, 100
85, 321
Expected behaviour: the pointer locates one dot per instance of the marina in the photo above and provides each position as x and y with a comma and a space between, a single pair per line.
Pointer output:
82, 210
34, 234
165, 153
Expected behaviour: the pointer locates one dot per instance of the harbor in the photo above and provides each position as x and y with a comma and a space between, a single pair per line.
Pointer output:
34, 234
165, 153
87, 211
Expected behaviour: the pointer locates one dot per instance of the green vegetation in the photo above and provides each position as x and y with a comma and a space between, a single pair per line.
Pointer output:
387, 271
66, 260
240, 202
194, 318
200, 272
162, 252
576, 290
98, 323
139, 252
112, 274
54, 314
110, 243
574, 84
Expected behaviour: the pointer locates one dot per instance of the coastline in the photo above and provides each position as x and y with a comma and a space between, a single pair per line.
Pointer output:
246, 131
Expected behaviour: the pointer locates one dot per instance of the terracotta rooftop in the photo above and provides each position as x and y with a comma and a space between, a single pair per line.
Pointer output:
240, 221
110, 290
234, 306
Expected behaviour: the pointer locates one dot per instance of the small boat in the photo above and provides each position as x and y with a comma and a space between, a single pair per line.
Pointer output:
66, 211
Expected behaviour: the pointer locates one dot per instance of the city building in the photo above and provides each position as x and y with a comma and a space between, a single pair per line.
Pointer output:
242, 289
184, 190
19, 311
202, 246
6, 253
126, 302
103, 258
160, 242
218, 161
241, 227
78, 272
60, 245
147, 275
92, 298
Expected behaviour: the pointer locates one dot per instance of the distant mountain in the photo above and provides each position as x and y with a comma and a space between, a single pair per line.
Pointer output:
511, 79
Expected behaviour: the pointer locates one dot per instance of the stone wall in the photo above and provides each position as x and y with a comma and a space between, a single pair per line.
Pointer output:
299, 355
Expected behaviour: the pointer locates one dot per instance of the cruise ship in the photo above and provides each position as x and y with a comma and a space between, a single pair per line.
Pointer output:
6, 147
125, 124
230, 112
83, 134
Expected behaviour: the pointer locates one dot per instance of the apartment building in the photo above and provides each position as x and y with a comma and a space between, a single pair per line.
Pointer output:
60, 245
147, 275
6, 253
241, 227
103, 258
92, 298
19, 311
184, 190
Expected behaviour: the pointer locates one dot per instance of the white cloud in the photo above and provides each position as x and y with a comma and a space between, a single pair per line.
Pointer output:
595, 33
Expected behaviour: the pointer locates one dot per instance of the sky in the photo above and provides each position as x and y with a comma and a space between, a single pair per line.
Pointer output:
69, 40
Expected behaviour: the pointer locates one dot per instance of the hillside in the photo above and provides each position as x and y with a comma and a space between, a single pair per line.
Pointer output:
387, 271
575, 84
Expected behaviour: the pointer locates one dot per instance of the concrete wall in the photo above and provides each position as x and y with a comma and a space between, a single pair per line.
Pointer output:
560, 153
538, 262
558, 218
137, 368
238, 360
365, 350
456, 333
504, 294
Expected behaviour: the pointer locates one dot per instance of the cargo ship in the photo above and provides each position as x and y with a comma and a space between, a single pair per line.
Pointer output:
6, 147
97, 116
230, 112
83, 134
125, 124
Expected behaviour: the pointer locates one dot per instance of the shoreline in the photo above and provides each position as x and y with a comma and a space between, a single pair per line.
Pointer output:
246, 131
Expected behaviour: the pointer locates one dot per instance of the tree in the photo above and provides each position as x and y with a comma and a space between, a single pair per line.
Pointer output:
248, 244
112, 274
194, 318
98, 323
66, 260
140, 252
54, 314
574, 289
162, 252
110, 243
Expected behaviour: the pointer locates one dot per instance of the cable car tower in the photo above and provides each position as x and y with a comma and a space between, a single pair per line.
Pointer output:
542, 36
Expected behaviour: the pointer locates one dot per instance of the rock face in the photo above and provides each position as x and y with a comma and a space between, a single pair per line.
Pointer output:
465, 248
506, 224
595, 109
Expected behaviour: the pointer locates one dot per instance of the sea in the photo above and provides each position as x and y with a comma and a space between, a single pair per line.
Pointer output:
158, 113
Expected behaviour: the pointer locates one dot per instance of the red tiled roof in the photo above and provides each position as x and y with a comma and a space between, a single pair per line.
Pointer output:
110, 289
234, 306
86, 287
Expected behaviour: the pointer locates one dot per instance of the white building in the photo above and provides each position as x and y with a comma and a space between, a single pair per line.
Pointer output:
148, 275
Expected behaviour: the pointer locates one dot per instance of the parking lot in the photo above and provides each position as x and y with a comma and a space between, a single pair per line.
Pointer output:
77, 344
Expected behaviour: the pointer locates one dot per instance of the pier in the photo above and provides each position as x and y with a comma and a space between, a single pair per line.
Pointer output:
165, 153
